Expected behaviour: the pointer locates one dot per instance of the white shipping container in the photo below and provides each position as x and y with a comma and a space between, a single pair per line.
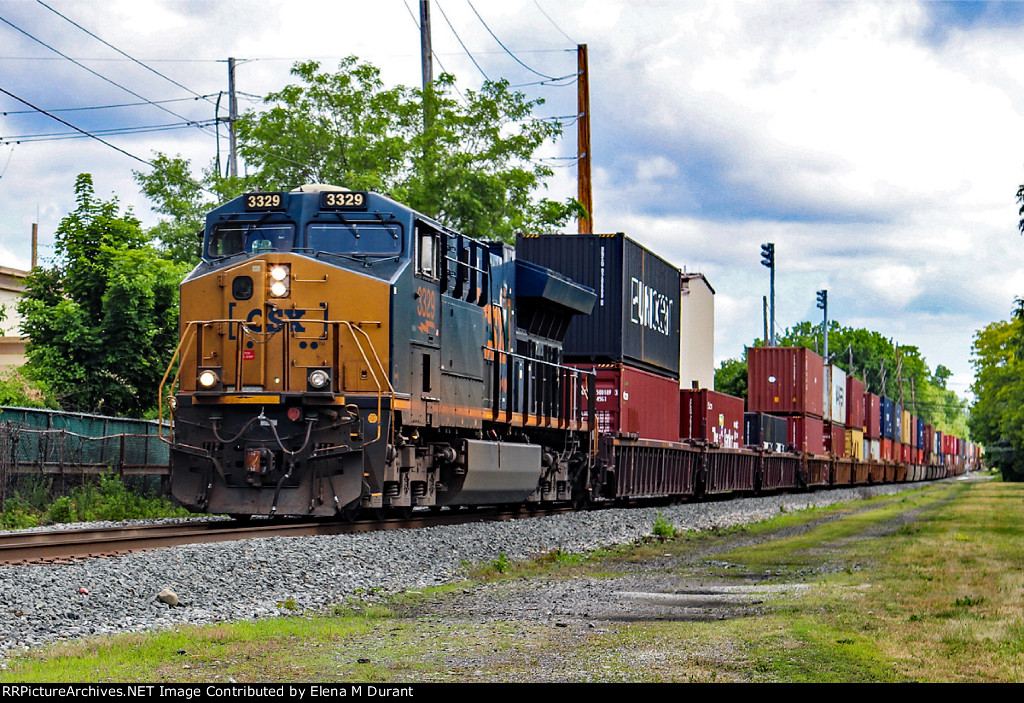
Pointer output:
834, 395
874, 450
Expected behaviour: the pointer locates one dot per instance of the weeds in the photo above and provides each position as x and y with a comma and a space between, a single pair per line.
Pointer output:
663, 528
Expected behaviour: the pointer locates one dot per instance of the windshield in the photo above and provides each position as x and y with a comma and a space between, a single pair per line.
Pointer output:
369, 238
250, 237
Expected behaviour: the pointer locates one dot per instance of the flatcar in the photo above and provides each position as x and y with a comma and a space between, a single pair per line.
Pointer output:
341, 352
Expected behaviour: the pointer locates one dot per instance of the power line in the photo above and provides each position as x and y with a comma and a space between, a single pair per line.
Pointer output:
98, 75
516, 58
553, 22
105, 142
486, 77
127, 56
59, 136
104, 107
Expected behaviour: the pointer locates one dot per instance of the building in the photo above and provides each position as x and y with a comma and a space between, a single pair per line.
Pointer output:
697, 332
12, 343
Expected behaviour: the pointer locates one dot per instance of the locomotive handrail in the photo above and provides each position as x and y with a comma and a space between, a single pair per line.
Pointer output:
190, 334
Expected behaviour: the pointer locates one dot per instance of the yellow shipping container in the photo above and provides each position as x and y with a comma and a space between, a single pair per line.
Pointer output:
905, 430
855, 443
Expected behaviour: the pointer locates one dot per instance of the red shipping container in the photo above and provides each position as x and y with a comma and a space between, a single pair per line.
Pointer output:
833, 438
885, 453
905, 453
872, 416
784, 380
711, 416
635, 402
897, 451
854, 405
805, 433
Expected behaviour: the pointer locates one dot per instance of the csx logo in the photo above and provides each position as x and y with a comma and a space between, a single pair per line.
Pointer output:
275, 319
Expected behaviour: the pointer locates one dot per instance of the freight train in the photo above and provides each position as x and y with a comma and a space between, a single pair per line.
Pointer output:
343, 353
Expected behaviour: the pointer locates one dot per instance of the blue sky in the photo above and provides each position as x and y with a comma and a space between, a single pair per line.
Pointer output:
878, 144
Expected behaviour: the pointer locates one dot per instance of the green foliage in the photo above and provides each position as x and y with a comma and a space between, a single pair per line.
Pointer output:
18, 514
997, 416
663, 527
731, 377
17, 390
185, 201
502, 564
109, 499
102, 323
471, 166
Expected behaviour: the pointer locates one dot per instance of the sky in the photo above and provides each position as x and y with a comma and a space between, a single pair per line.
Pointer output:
878, 145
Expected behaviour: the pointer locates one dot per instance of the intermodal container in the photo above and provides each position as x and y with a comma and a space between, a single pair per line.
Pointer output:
833, 437
874, 449
711, 416
886, 417
765, 431
635, 403
897, 422
872, 416
804, 433
855, 443
854, 403
906, 431
834, 400
920, 433
884, 449
784, 380
636, 316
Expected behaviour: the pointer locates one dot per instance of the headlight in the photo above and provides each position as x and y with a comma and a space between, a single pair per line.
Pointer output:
208, 378
280, 280
318, 379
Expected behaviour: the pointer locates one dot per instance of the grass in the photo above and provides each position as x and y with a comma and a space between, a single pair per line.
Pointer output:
927, 585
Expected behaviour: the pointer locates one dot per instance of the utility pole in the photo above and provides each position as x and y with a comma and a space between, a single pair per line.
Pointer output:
232, 116
427, 62
585, 194
764, 312
35, 244
768, 259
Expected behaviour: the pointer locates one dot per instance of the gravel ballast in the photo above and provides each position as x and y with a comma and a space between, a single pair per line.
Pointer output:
275, 576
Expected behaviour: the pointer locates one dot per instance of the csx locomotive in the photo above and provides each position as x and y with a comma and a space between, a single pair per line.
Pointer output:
340, 351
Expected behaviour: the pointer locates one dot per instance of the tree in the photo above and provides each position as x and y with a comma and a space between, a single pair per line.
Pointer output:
731, 377
472, 167
102, 323
186, 201
997, 416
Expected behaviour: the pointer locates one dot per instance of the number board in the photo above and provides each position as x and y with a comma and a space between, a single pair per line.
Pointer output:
343, 200
264, 201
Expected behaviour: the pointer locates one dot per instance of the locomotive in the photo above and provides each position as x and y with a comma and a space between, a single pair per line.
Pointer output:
340, 351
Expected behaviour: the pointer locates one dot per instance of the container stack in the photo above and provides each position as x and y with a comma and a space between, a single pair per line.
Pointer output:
855, 445
788, 381
834, 410
872, 426
631, 340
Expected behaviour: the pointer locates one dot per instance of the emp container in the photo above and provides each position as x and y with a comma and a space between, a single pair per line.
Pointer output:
636, 317
785, 380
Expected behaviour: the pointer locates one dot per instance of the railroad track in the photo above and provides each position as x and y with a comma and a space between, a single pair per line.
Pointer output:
86, 543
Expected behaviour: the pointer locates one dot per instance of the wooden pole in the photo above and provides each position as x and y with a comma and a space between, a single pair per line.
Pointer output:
585, 195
